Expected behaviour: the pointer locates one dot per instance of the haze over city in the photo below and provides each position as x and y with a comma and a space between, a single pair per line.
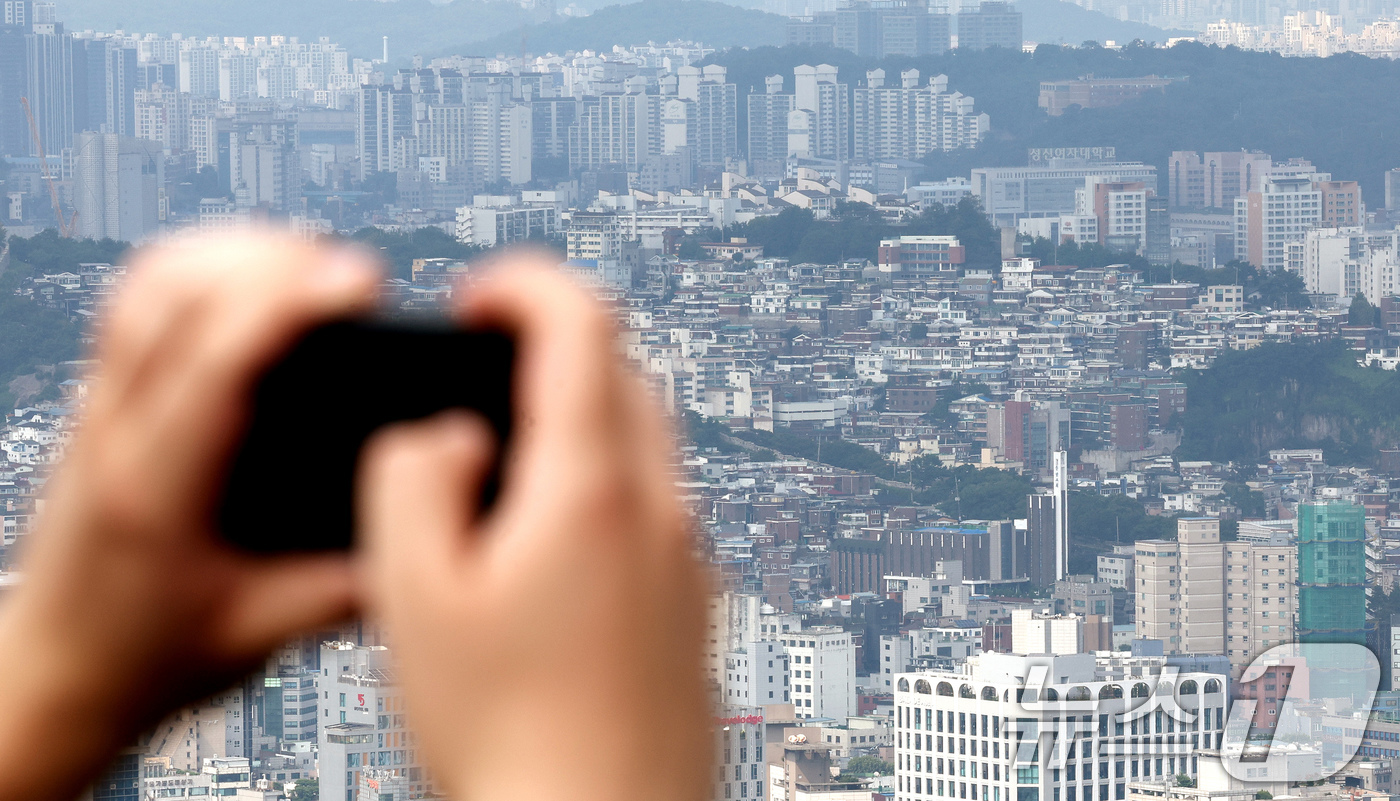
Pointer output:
1031, 364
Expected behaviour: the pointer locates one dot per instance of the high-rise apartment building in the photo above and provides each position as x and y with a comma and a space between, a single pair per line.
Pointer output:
501, 146
549, 132
106, 79
386, 118
819, 125
118, 186
621, 128
1180, 589
1214, 180
1345, 261
1267, 220
49, 84
712, 131
198, 70
910, 121
1199, 595
768, 131
993, 24
264, 168
14, 83
477, 124
162, 114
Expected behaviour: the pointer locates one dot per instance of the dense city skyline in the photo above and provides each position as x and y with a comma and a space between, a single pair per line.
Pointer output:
1039, 402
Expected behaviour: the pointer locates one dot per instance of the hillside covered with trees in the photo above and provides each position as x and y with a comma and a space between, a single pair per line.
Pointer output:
33, 338
716, 24
1288, 396
854, 231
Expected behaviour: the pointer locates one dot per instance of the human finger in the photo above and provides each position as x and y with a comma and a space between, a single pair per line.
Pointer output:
162, 293
566, 377
276, 597
417, 495
191, 413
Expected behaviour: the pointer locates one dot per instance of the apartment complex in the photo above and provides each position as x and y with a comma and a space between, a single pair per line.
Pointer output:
910, 121
1266, 220
1200, 595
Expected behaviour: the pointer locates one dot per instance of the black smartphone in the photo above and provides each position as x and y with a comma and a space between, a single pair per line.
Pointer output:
292, 482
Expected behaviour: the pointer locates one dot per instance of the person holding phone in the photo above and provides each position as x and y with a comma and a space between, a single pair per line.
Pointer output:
566, 620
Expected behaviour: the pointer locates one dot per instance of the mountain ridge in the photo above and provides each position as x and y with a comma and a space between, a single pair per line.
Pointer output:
423, 27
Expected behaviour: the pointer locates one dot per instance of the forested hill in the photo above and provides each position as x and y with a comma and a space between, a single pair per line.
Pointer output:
34, 339
1289, 396
1322, 109
716, 24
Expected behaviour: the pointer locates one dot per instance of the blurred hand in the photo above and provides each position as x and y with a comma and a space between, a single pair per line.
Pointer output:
566, 623
131, 604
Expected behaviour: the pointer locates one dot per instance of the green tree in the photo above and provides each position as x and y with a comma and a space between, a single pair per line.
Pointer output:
32, 335
1250, 502
400, 249
305, 790
869, 766
1282, 290
1290, 395
781, 234
1361, 312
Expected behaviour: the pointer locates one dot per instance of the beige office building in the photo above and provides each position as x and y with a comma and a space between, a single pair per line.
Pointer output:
1199, 595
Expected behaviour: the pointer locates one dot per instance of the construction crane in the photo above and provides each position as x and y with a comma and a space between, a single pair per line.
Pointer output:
66, 227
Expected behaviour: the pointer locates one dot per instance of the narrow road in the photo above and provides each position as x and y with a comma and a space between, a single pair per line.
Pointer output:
752, 446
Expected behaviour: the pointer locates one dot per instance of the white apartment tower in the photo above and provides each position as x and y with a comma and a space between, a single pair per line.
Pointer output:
910, 121
621, 128
1344, 261
768, 133
118, 188
713, 132
819, 125
1282, 211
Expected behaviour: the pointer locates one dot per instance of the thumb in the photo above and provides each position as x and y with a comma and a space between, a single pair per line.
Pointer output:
417, 498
